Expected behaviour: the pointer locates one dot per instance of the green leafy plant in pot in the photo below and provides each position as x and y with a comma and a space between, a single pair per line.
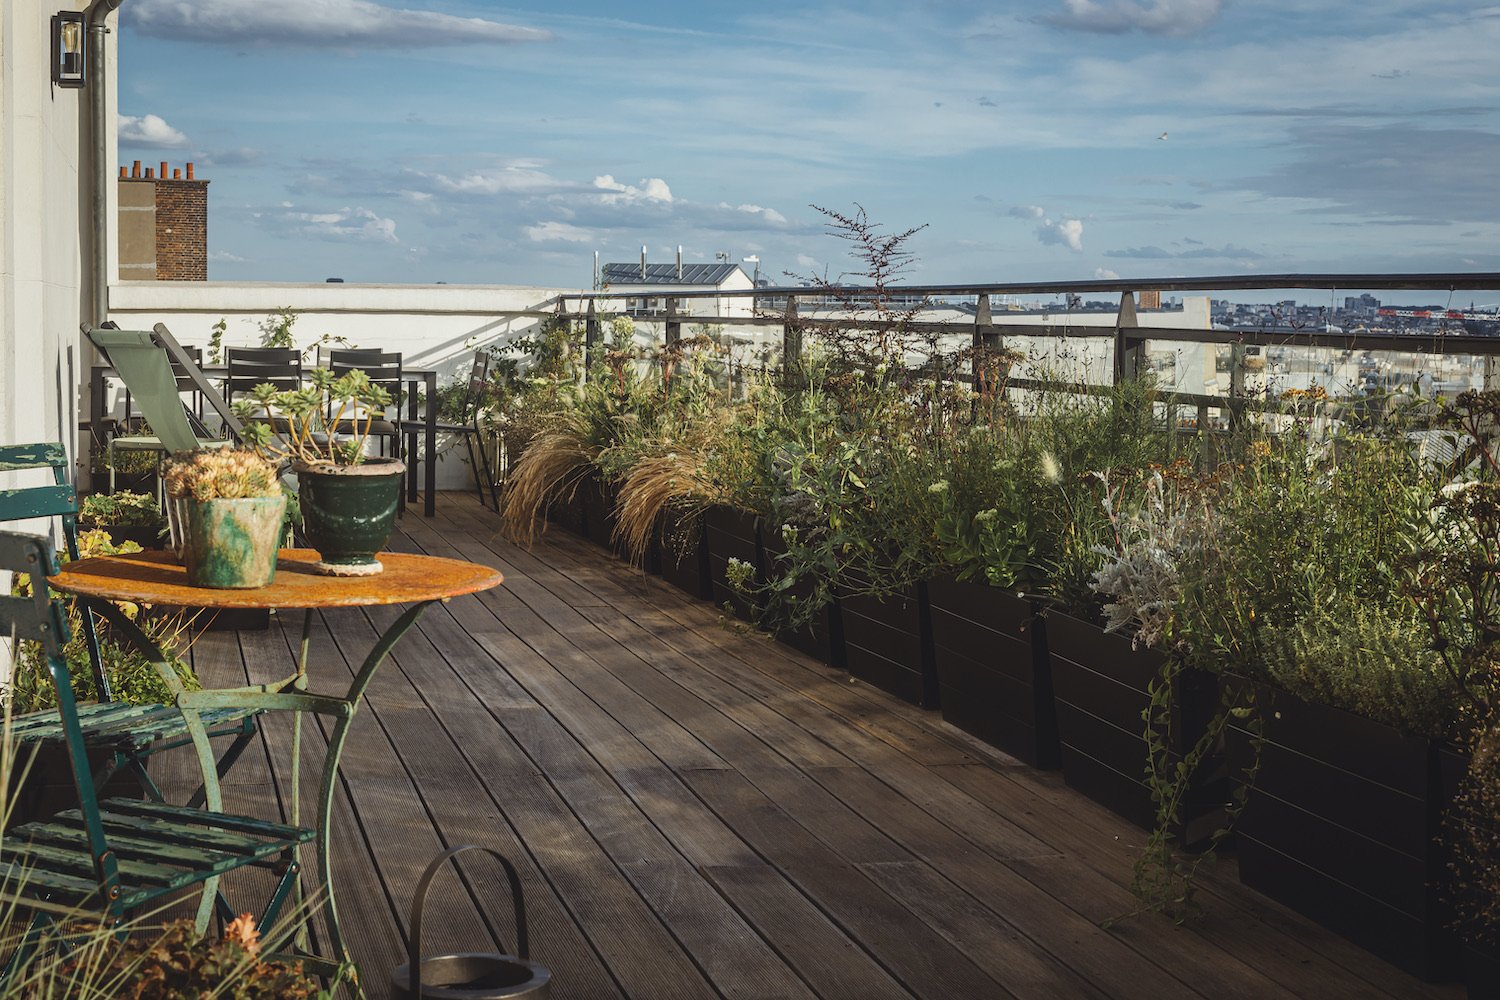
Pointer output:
126, 516
348, 500
227, 512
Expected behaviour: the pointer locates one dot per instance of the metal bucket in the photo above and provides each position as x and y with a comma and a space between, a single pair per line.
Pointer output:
470, 975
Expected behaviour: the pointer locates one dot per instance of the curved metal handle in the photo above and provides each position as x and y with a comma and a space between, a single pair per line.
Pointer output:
414, 946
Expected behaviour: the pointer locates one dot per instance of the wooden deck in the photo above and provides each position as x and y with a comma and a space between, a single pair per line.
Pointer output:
699, 812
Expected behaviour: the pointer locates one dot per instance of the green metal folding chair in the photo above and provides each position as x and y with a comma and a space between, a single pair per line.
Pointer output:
152, 365
130, 732
111, 857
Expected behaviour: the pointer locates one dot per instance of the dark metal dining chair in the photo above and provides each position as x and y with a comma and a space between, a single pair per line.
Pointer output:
470, 409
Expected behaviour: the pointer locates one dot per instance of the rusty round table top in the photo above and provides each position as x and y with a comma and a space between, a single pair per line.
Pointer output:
158, 578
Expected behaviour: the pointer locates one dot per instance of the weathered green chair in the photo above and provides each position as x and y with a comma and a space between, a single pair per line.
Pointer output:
130, 732
111, 857
153, 366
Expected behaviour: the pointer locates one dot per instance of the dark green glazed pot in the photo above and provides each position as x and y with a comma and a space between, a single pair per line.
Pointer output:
348, 513
230, 544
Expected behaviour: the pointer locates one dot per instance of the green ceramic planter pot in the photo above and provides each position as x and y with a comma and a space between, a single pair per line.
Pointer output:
349, 512
230, 544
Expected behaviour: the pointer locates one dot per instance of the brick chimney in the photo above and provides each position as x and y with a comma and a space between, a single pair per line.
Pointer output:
163, 225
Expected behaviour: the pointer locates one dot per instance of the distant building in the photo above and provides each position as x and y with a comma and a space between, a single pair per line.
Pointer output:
163, 225
1366, 304
657, 281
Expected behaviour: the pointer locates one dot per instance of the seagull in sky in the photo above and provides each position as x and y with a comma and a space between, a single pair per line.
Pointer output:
1162, 137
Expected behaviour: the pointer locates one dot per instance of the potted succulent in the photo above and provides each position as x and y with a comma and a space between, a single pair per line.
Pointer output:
228, 508
126, 517
348, 501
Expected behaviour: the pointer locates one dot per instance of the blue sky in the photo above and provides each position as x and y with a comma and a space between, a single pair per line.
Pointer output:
466, 141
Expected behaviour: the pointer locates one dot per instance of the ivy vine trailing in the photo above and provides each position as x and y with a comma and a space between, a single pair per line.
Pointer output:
1163, 880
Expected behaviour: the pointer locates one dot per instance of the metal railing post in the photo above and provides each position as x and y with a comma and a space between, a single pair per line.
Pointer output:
987, 344
1129, 349
590, 338
791, 338
674, 325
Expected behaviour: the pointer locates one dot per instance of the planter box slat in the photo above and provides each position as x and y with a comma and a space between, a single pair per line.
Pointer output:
731, 534
1101, 684
989, 654
888, 643
1399, 938
1354, 850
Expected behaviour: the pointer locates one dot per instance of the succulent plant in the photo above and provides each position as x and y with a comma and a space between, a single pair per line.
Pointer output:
220, 474
327, 422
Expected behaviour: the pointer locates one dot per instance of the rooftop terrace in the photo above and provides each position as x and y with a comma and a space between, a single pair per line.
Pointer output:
697, 811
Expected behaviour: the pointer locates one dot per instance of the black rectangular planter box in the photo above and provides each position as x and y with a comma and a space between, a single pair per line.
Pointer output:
1341, 826
1101, 686
888, 644
821, 638
47, 787
990, 655
597, 497
568, 513
681, 562
731, 533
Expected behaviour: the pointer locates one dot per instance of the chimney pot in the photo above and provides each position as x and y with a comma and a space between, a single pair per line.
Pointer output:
124, 170
190, 170
163, 174
150, 173
135, 171
176, 174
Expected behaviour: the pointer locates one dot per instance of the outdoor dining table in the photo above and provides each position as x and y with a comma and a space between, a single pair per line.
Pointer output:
426, 377
157, 578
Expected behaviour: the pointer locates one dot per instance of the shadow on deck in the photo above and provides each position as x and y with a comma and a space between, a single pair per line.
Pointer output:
698, 812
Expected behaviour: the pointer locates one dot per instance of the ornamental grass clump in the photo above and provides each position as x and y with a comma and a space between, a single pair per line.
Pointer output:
220, 474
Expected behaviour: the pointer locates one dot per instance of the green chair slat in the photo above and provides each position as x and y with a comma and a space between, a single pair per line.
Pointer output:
132, 870
37, 501
25, 726
181, 814
19, 878
69, 836
200, 837
122, 723
32, 456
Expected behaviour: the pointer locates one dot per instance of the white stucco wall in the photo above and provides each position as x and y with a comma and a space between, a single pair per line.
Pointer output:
42, 273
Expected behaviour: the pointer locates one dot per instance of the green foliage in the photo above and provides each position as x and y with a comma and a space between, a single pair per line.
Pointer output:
276, 331
1374, 660
328, 421
170, 962
216, 341
131, 676
122, 509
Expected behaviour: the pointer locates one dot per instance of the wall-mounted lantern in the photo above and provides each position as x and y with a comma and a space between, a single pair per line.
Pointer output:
69, 38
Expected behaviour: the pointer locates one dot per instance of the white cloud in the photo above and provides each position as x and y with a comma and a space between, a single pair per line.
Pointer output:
557, 232
225, 257
151, 132
1027, 212
518, 177
803, 260
347, 225
1152, 17
769, 214
1105, 274
317, 24
1068, 233
650, 189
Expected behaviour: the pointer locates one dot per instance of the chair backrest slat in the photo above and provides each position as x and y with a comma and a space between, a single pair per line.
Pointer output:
253, 366
184, 364
60, 500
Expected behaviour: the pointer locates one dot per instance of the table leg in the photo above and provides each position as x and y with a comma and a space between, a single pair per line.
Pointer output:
302, 942
429, 503
383, 646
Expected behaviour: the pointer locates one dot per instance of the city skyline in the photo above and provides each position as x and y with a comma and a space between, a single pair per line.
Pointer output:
461, 141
